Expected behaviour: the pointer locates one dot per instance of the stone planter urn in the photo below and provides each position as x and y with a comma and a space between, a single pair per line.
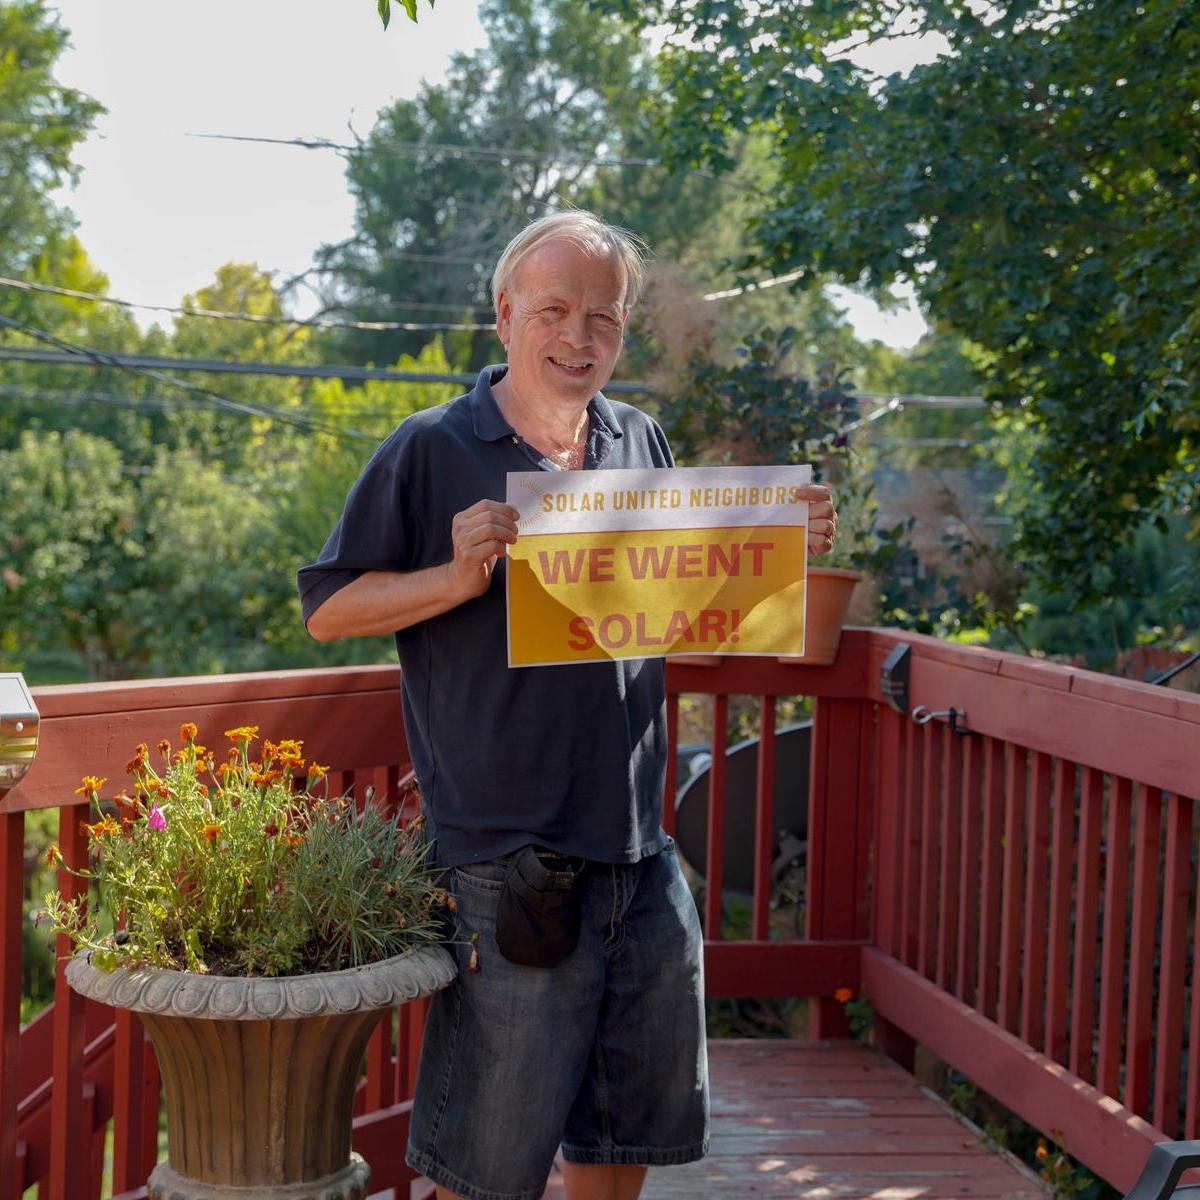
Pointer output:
259, 1074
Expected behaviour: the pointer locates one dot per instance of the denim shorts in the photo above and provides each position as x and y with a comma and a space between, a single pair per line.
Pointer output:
603, 1053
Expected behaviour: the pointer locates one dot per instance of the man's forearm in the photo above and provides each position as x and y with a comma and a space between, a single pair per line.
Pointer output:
380, 602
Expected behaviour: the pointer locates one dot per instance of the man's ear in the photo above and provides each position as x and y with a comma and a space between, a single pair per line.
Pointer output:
504, 315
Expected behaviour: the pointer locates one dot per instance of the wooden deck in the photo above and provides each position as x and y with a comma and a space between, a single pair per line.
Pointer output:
831, 1120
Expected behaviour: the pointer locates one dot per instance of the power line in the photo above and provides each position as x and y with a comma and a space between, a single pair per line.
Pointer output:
347, 407
76, 356
99, 358
754, 287
253, 318
488, 153
322, 323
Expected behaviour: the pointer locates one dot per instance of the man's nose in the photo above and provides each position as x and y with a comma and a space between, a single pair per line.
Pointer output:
574, 329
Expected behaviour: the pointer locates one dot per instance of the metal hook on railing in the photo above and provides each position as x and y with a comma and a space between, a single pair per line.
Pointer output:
956, 717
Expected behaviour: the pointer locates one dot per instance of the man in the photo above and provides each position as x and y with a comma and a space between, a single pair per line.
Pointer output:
603, 1052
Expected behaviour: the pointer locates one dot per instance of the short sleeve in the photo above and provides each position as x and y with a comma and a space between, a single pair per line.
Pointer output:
662, 446
374, 531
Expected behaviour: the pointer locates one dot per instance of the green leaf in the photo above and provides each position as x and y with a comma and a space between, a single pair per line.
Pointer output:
384, 8
410, 7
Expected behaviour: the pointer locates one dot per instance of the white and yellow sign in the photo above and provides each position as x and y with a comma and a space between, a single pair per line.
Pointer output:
630, 564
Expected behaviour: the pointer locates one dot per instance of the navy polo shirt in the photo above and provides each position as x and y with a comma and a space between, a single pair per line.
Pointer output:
571, 757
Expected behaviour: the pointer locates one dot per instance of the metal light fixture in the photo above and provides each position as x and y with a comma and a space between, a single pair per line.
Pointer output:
19, 722
893, 677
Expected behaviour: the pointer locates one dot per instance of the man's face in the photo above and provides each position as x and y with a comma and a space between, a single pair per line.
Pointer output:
563, 322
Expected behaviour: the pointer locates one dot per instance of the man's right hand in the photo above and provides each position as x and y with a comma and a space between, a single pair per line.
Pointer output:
480, 534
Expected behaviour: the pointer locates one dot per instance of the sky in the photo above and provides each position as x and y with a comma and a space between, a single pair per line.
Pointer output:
159, 209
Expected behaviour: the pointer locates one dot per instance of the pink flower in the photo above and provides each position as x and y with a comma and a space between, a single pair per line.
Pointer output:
155, 819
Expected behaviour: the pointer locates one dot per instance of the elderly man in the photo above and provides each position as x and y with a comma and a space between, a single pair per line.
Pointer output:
551, 776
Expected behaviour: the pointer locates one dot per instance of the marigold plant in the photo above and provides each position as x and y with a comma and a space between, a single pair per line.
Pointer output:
249, 867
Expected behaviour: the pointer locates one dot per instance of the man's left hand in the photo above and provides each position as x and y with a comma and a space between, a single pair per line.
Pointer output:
822, 517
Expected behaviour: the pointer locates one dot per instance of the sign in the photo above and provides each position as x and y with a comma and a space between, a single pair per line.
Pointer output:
634, 564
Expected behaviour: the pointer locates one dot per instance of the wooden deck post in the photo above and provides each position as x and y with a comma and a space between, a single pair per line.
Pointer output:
842, 748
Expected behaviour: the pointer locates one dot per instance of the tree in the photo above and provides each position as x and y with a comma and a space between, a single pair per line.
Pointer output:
41, 122
1038, 184
555, 110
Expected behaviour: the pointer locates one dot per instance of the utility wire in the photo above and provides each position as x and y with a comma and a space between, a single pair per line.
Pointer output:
101, 358
346, 407
501, 154
223, 366
320, 322
253, 318
753, 287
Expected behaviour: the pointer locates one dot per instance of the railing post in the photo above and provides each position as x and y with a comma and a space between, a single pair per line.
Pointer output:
842, 740
68, 1138
12, 896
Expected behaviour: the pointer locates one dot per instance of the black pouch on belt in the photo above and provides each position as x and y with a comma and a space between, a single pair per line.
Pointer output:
537, 922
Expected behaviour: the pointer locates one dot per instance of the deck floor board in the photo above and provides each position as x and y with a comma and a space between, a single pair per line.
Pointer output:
830, 1121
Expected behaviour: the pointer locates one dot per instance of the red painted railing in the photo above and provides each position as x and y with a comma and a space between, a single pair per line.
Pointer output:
1017, 897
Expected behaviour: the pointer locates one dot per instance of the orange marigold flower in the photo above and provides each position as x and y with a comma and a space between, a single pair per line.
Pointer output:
843, 995
164, 747
127, 807
163, 791
316, 771
271, 829
188, 731
202, 789
1043, 1151
290, 748
294, 839
90, 785
107, 828
226, 769
211, 830
53, 855
181, 755
243, 733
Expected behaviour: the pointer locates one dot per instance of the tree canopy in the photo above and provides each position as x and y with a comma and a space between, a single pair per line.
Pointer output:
41, 122
1038, 184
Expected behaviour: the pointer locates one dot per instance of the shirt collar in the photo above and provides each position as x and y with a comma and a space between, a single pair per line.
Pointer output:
490, 423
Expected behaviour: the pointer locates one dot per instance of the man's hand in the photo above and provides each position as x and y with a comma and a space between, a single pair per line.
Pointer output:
822, 517
480, 535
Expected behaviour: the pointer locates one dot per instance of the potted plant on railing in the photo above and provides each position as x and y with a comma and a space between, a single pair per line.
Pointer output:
755, 410
260, 927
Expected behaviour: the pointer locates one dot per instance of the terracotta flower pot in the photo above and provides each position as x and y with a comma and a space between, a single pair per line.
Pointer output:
259, 1074
829, 592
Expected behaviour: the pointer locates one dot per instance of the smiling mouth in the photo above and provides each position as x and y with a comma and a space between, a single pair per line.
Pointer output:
569, 365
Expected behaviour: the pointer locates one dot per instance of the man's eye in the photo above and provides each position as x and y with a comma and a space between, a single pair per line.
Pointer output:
604, 318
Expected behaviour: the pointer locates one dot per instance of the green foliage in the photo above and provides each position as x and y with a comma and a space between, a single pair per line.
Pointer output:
41, 122
860, 1014
384, 8
162, 533
69, 556
755, 410
570, 95
1038, 184
242, 874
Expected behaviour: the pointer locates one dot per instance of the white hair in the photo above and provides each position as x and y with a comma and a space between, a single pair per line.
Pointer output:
585, 230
